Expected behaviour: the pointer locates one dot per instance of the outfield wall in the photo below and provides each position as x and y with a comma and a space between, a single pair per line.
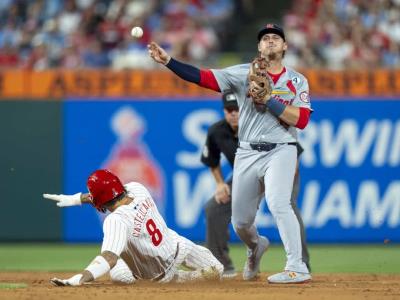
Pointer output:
350, 187
30, 164
350, 184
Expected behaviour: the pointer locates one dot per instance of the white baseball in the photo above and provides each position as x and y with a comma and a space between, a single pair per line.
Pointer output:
137, 32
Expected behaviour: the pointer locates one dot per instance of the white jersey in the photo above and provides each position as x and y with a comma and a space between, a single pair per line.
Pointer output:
138, 234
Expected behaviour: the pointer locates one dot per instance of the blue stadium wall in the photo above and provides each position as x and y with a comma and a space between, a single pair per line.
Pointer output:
350, 179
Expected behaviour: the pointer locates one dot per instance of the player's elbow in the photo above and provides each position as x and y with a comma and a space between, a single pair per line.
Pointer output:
208, 80
304, 117
301, 125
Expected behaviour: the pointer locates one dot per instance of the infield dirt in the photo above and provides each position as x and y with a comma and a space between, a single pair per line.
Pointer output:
323, 286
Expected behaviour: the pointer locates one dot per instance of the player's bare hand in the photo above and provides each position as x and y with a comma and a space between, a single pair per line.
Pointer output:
158, 54
222, 193
64, 200
73, 281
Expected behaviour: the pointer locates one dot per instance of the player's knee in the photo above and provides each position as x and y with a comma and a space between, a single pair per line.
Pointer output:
121, 273
213, 262
125, 278
279, 204
242, 231
279, 207
241, 225
122, 277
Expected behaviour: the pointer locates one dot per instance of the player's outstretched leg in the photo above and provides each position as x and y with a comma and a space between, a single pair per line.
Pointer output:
200, 261
277, 194
200, 258
247, 192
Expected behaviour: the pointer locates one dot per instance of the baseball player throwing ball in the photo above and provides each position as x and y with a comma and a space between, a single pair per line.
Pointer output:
137, 243
273, 100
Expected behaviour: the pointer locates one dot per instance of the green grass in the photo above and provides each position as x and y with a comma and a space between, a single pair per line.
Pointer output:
46, 257
324, 258
334, 258
11, 286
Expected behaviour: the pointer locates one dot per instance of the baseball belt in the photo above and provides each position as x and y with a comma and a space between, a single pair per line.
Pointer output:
263, 146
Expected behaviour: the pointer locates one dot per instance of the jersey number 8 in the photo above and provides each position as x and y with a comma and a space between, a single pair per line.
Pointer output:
154, 232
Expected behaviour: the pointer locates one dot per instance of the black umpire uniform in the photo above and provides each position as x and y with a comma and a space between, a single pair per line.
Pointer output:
222, 138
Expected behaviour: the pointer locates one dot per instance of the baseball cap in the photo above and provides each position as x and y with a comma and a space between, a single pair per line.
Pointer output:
229, 99
271, 28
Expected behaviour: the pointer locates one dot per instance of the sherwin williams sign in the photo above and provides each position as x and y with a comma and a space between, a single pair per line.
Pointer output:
350, 179
351, 171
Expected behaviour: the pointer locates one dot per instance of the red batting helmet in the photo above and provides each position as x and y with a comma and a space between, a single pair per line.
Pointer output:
104, 186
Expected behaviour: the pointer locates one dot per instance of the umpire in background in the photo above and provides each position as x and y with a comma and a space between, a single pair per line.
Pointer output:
222, 138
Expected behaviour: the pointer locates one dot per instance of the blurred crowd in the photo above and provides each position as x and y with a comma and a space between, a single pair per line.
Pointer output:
338, 34
334, 34
42, 34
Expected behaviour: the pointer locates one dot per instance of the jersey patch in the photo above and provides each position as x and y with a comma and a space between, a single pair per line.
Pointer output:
296, 80
305, 97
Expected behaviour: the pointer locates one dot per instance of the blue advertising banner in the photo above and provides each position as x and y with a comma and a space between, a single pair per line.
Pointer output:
350, 180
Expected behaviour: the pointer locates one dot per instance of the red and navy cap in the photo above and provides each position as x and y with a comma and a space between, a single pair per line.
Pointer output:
271, 28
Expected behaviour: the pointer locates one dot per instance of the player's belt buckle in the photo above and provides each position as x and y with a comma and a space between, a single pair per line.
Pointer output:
262, 146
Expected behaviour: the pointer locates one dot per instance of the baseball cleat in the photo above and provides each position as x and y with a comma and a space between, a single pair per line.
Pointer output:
289, 277
229, 273
58, 282
252, 265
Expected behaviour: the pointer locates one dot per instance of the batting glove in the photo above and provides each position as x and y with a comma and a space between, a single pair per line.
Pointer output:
65, 200
73, 281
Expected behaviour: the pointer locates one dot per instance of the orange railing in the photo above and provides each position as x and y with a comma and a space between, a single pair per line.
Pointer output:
129, 84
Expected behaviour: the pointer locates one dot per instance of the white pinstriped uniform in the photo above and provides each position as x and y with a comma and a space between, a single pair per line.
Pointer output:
148, 249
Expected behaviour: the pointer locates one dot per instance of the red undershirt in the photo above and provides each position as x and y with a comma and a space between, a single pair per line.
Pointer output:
275, 77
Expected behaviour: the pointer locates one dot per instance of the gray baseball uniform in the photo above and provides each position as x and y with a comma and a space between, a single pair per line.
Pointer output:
271, 172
